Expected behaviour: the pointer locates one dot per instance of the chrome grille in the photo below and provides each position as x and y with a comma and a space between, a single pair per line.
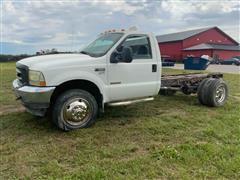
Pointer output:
22, 74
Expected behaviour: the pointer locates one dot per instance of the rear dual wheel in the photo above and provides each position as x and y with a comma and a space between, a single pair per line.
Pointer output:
212, 92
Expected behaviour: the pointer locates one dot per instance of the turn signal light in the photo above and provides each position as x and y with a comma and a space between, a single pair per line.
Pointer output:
42, 83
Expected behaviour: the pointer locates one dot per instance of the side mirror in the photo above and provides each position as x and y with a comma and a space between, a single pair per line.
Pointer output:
124, 56
127, 55
114, 57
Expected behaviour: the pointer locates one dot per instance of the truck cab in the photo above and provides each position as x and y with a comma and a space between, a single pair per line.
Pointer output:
118, 67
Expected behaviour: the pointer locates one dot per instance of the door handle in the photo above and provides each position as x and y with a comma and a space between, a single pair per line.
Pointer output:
99, 69
154, 68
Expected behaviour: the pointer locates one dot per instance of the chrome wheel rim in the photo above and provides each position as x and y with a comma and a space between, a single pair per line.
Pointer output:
76, 111
220, 94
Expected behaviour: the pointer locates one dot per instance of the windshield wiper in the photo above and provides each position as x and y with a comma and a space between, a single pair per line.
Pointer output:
85, 52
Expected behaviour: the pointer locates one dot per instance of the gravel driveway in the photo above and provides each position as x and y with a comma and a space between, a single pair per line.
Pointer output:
233, 69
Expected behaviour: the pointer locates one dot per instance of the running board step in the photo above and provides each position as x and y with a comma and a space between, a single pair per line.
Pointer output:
123, 103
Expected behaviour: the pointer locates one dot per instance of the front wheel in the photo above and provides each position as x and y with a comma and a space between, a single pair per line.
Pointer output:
74, 109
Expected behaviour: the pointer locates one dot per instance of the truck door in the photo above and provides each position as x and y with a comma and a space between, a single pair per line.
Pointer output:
138, 78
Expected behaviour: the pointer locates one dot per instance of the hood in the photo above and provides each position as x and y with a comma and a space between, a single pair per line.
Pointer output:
55, 60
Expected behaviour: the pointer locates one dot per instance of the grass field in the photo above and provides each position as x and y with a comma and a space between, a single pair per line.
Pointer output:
171, 137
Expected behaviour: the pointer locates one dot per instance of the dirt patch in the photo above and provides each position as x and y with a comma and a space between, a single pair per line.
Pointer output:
7, 109
235, 97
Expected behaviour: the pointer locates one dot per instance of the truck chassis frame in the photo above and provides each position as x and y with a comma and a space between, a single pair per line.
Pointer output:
187, 83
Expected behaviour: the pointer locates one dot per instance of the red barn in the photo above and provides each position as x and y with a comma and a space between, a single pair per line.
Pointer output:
206, 41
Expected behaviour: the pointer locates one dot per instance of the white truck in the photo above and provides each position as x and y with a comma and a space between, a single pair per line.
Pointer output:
118, 68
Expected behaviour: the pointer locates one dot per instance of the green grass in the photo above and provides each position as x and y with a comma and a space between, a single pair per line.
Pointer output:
8, 74
171, 137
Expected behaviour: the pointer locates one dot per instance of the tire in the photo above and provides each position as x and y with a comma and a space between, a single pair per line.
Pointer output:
201, 90
167, 92
74, 109
217, 93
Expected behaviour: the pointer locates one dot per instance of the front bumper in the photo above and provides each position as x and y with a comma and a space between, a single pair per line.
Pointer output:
35, 99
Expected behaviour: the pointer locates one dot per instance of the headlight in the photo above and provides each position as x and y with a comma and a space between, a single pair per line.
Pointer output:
36, 78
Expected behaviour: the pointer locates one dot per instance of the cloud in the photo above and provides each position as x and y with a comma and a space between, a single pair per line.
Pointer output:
69, 25
120, 6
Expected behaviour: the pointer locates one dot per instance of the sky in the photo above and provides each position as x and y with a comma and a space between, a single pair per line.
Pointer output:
30, 26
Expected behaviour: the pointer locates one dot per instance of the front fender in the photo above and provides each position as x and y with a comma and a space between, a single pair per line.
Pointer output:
97, 79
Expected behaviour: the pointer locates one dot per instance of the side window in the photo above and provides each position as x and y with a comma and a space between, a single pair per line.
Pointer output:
140, 46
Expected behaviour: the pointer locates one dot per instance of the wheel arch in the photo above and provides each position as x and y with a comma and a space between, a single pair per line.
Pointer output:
83, 84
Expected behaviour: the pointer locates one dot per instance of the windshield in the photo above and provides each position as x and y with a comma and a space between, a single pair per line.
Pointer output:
102, 44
